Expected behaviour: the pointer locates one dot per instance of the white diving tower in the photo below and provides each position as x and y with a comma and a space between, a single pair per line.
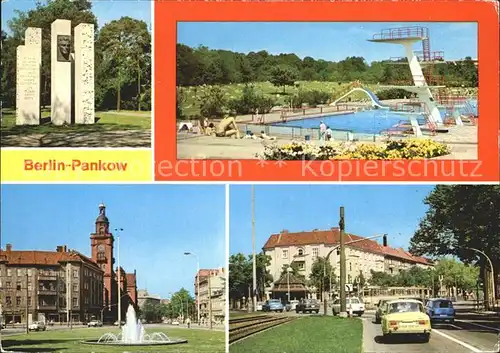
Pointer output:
407, 37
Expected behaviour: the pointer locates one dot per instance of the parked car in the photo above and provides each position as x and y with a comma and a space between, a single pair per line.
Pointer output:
380, 311
307, 306
273, 305
353, 304
117, 324
37, 326
94, 323
406, 317
293, 304
440, 310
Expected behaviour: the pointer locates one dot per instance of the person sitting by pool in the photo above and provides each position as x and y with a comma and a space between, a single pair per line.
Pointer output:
227, 127
210, 129
265, 136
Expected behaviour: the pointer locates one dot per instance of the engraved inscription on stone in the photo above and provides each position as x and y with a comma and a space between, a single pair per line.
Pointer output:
63, 48
28, 85
84, 74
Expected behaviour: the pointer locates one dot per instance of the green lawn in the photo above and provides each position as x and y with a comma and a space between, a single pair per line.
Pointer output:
193, 94
307, 334
69, 341
105, 121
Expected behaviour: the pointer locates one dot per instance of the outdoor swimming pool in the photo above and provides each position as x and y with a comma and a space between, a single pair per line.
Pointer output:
369, 122
365, 122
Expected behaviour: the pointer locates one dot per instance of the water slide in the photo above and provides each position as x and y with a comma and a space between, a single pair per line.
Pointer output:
375, 101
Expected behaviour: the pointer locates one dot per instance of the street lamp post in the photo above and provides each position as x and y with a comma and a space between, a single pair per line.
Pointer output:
119, 230
288, 270
492, 278
197, 282
254, 267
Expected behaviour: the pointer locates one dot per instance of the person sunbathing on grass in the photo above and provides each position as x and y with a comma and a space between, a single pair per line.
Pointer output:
227, 127
265, 136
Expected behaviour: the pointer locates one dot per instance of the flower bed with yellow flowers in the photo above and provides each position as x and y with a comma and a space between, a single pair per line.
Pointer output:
403, 149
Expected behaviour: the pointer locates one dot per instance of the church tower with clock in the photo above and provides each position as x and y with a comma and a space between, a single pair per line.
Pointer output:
102, 253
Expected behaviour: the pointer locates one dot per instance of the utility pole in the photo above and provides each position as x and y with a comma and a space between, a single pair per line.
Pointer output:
254, 289
342, 264
209, 301
27, 310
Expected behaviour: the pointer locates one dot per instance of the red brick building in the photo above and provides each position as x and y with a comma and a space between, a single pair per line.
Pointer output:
102, 248
58, 284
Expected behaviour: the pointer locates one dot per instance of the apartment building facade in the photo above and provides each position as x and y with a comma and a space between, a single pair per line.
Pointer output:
362, 256
212, 291
53, 286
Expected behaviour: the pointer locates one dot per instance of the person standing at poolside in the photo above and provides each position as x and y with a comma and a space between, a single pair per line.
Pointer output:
328, 134
322, 130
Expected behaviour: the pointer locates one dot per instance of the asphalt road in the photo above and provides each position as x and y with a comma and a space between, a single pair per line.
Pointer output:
469, 333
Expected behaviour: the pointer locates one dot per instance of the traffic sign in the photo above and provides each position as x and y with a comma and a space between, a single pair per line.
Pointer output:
348, 287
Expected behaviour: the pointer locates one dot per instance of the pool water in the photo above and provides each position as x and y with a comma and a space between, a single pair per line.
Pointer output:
366, 122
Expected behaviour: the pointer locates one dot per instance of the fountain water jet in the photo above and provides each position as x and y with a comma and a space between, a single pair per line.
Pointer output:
133, 334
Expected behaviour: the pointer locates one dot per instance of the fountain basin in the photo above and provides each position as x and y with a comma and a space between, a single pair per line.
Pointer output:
172, 341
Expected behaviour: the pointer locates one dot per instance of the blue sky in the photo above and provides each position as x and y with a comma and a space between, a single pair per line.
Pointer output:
321, 40
369, 210
160, 223
105, 10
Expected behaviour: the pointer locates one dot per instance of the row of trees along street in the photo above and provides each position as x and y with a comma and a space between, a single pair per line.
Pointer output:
181, 304
122, 55
459, 217
203, 66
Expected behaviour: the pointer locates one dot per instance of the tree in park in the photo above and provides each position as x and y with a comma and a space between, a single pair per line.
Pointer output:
322, 274
125, 46
461, 217
241, 276
282, 76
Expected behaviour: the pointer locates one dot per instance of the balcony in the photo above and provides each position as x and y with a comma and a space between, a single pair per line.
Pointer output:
47, 307
47, 291
47, 277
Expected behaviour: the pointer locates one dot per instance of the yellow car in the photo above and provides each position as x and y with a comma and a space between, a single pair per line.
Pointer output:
406, 317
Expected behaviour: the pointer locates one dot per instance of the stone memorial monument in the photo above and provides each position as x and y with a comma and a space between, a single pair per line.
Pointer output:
60, 72
71, 75
84, 74
28, 66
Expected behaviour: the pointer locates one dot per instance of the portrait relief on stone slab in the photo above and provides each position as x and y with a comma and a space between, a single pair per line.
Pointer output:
63, 48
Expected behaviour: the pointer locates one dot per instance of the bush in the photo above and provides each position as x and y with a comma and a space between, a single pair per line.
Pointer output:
250, 101
394, 93
312, 98
212, 102
404, 149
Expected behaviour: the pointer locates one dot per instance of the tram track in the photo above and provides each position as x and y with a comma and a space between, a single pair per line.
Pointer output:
241, 328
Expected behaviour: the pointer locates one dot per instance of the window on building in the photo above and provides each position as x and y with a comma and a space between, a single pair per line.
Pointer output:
18, 301
29, 301
7, 285
75, 302
18, 285
8, 300
29, 286
19, 272
75, 287
75, 273
9, 272
29, 272
315, 252
350, 266
285, 254
300, 252
301, 265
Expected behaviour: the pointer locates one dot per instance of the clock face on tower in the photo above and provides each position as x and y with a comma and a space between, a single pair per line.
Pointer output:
102, 230
101, 248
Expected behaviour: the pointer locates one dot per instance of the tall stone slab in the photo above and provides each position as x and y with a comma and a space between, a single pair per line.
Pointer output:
84, 74
61, 80
29, 62
27, 85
